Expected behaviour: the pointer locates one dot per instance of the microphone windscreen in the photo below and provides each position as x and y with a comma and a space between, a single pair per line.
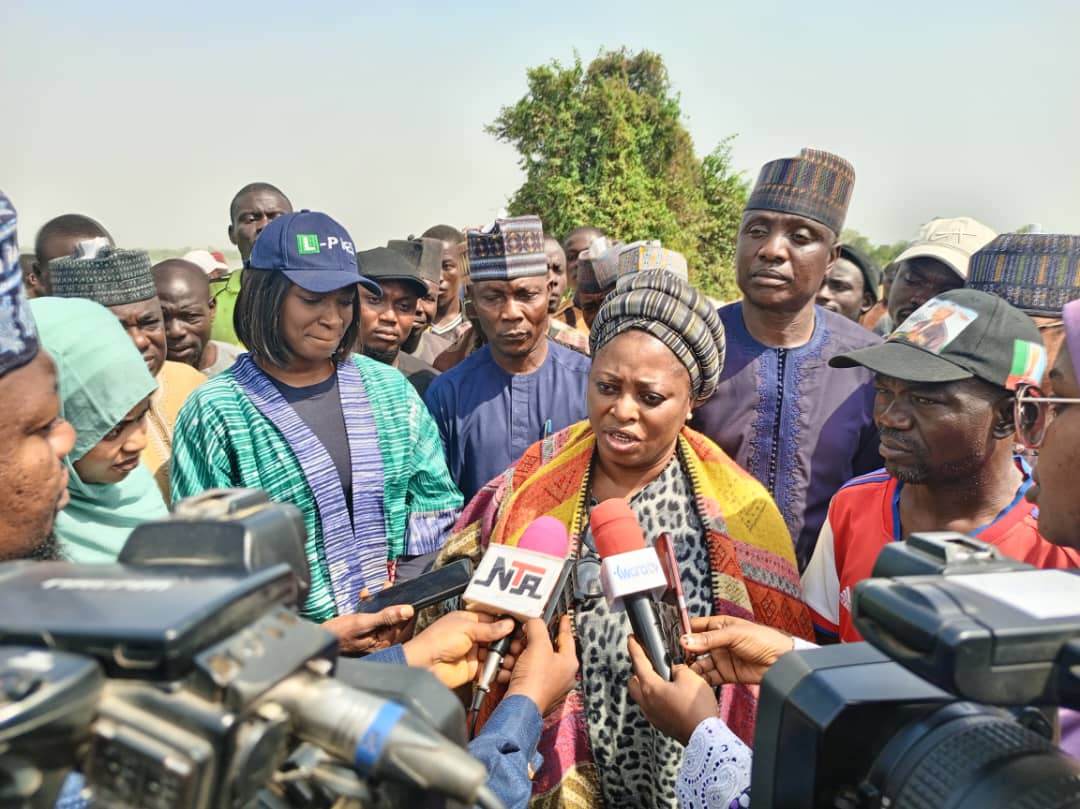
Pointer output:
545, 535
615, 529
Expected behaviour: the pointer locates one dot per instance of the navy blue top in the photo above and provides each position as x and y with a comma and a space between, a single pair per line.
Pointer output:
487, 418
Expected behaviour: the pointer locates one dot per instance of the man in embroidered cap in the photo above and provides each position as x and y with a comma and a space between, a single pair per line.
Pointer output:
57, 238
520, 386
123, 282
935, 262
799, 427
1038, 273
34, 438
946, 384
386, 317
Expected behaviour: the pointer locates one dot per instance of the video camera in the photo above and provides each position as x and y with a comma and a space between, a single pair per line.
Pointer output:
951, 703
182, 676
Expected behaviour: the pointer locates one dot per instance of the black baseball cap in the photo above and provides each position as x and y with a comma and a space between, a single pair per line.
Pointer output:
959, 334
384, 264
869, 268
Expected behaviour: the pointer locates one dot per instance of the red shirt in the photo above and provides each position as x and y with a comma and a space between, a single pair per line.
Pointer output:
864, 516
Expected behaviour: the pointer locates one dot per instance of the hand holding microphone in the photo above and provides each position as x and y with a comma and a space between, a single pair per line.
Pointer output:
519, 582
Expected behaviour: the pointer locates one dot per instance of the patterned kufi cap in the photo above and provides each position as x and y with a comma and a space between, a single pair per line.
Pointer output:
672, 311
506, 250
650, 255
18, 334
102, 273
599, 261
1038, 273
815, 184
423, 253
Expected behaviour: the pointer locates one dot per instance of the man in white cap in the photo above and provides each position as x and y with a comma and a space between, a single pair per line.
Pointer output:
210, 262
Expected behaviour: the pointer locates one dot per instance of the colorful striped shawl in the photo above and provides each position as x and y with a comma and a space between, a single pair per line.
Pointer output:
750, 552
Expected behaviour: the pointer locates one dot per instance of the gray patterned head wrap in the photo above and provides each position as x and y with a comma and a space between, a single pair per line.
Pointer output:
663, 305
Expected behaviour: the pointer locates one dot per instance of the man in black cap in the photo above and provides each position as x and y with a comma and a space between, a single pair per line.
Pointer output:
386, 319
946, 383
851, 287
34, 437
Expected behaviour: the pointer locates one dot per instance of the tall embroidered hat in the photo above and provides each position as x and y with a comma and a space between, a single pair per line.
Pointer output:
506, 250
960, 334
103, 273
815, 184
423, 253
18, 334
647, 255
1038, 273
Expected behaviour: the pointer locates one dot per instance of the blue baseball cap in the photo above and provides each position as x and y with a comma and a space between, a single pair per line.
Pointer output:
312, 250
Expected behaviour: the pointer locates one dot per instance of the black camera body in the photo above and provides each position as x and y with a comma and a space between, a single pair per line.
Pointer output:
952, 701
182, 676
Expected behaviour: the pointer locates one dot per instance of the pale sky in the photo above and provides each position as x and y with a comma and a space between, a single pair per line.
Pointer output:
149, 116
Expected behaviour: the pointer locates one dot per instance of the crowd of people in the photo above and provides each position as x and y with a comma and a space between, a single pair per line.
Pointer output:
422, 400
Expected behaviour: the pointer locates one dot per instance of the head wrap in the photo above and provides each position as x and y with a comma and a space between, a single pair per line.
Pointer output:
673, 312
869, 268
1038, 273
18, 334
423, 253
102, 273
815, 184
506, 250
598, 261
101, 377
1071, 315
644, 256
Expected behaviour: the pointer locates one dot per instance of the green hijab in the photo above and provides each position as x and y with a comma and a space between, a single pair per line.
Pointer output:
101, 376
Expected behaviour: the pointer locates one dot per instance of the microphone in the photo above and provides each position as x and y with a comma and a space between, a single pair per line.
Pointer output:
517, 581
632, 578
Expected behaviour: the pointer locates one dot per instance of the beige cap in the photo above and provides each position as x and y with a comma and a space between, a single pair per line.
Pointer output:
951, 241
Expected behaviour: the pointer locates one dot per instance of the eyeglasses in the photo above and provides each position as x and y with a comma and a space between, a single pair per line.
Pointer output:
1034, 412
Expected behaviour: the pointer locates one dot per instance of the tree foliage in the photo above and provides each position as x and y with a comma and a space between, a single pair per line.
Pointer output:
883, 254
605, 145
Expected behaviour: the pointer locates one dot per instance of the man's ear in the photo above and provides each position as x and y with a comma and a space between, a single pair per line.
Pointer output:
232, 234
1005, 418
867, 303
213, 308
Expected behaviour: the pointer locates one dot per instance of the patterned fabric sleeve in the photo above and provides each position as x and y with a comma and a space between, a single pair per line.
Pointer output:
433, 500
199, 461
716, 767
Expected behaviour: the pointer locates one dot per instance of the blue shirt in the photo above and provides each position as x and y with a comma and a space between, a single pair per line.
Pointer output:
488, 418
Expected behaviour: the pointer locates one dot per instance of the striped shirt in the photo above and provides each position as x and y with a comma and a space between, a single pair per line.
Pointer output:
223, 440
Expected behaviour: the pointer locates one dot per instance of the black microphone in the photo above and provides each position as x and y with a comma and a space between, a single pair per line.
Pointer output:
631, 573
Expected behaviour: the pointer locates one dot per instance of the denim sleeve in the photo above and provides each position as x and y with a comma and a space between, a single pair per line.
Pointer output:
394, 655
507, 746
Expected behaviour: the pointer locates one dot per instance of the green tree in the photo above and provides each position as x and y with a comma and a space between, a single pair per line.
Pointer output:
883, 254
605, 145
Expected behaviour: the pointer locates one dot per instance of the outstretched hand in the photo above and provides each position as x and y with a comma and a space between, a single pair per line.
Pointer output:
734, 650
363, 633
542, 672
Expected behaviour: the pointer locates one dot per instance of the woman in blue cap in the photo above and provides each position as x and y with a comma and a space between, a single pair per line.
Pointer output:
300, 416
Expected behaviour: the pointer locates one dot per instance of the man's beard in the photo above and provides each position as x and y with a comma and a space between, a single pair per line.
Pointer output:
387, 356
49, 549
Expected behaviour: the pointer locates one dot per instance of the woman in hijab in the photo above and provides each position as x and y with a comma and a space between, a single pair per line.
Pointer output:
657, 350
105, 391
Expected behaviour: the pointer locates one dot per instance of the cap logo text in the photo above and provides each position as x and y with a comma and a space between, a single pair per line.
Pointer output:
307, 243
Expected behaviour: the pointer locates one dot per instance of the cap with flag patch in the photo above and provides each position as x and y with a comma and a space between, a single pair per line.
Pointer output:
312, 250
960, 334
